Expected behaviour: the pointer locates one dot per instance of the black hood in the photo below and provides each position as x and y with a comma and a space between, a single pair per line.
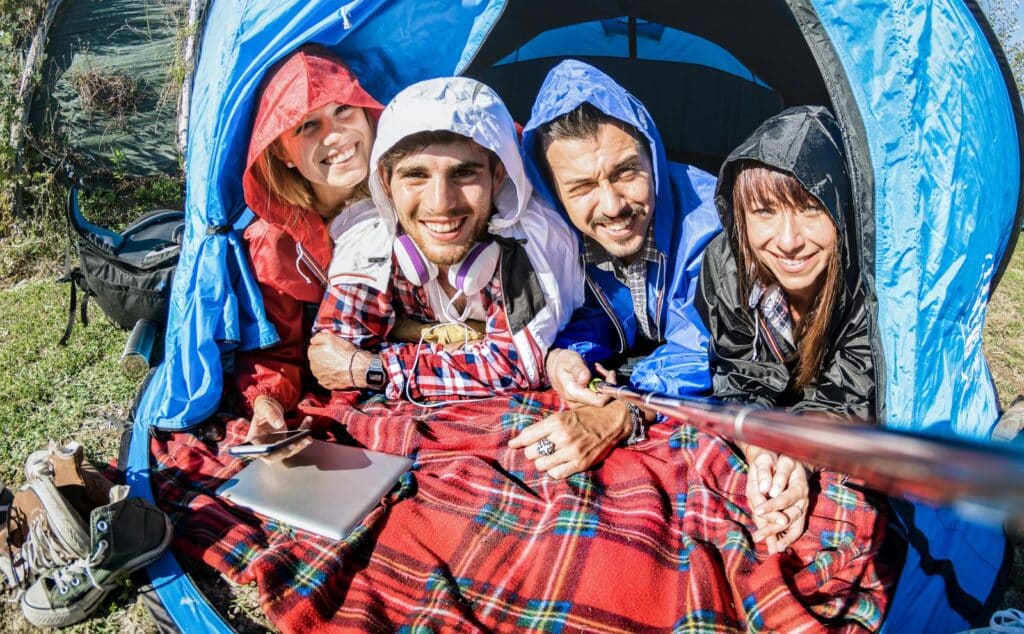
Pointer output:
805, 142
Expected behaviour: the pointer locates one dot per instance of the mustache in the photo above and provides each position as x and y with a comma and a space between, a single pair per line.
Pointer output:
626, 213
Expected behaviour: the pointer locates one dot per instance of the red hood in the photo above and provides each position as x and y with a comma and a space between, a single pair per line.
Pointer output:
308, 79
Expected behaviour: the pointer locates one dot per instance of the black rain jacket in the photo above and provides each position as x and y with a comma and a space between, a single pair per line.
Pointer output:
805, 142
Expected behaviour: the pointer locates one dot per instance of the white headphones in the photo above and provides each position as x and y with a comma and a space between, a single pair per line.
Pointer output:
468, 277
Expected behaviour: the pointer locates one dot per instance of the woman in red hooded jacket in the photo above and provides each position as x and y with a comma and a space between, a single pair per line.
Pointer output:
308, 159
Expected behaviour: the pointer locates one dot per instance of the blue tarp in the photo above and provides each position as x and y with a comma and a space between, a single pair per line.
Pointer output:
941, 137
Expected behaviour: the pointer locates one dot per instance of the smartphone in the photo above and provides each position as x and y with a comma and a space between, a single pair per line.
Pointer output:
270, 443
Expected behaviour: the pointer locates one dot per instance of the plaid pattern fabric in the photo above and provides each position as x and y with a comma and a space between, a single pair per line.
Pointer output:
773, 305
633, 276
474, 539
478, 369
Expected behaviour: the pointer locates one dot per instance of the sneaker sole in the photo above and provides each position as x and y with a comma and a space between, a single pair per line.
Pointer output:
60, 617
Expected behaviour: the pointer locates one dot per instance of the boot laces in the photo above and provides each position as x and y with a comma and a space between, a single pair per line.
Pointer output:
68, 576
43, 550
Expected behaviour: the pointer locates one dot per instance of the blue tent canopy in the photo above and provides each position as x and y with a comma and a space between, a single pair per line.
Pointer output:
920, 87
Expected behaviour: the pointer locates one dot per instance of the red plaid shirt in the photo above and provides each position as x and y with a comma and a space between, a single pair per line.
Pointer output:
481, 368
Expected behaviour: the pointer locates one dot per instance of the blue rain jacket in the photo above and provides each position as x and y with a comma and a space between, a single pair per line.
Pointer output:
684, 220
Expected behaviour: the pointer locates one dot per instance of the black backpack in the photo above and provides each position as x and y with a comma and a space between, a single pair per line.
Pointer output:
129, 273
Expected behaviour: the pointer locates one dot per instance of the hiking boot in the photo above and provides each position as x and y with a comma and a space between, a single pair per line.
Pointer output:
81, 484
125, 535
41, 532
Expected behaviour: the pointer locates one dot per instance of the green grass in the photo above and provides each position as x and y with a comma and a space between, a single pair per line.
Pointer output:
61, 393
1004, 330
57, 392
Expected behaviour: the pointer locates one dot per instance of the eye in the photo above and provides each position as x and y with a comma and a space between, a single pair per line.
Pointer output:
627, 173
580, 190
306, 127
466, 173
342, 109
812, 210
764, 212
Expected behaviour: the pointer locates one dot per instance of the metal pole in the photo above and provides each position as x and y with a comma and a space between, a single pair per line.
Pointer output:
936, 470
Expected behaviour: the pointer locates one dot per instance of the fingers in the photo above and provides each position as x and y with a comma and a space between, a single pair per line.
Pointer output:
577, 393
784, 468
764, 464
606, 374
287, 451
531, 435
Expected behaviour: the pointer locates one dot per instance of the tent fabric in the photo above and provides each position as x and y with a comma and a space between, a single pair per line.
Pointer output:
926, 101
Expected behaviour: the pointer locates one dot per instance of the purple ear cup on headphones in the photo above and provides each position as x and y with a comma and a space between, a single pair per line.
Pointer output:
469, 276
417, 269
476, 269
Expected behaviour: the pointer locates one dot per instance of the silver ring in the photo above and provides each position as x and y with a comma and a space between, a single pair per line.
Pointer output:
545, 447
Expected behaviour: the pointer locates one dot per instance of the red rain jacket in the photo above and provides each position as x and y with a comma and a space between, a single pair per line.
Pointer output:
289, 247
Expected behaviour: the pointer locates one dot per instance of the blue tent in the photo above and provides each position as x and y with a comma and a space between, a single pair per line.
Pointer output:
920, 87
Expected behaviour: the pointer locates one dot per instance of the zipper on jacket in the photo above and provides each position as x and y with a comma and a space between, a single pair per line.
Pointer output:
661, 294
606, 305
311, 264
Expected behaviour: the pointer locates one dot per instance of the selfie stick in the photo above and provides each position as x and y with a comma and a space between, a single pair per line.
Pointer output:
975, 477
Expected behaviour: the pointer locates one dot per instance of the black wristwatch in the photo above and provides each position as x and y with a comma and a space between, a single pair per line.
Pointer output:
375, 376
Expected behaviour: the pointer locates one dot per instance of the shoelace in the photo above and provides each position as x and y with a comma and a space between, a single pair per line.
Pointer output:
67, 576
44, 550
1011, 620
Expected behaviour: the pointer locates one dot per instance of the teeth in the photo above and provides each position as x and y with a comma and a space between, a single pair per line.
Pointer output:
341, 158
617, 226
789, 262
443, 227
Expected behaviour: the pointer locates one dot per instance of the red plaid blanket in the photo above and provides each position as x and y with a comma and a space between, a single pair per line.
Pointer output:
474, 539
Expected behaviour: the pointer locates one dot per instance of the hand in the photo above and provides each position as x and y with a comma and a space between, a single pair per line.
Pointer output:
330, 360
778, 494
268, 417
582, 438
570, 377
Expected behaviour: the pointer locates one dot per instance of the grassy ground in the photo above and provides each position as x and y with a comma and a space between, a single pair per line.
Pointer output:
49, 392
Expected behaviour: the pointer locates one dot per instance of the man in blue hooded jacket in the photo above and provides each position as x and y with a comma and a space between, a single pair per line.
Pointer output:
593, 150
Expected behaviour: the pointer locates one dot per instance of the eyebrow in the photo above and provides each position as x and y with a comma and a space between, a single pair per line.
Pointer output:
406, 170
629, 161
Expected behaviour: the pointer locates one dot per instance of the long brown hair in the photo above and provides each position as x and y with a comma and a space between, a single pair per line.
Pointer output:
755, 185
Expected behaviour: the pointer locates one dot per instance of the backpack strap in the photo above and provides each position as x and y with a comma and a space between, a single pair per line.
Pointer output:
76, 278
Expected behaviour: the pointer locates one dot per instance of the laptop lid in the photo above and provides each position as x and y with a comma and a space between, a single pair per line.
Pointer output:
326, 488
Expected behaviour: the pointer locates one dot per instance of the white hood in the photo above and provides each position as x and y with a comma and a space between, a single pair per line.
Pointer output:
463, 106
466, 107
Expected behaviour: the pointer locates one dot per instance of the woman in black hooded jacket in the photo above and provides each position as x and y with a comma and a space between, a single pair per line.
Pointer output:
781, 295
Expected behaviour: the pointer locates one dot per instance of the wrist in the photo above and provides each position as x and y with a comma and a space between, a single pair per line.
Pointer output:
636, 425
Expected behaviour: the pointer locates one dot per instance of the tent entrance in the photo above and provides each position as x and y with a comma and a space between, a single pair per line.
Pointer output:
707, 78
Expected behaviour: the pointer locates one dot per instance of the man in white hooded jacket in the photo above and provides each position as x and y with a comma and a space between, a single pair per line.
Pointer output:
453, 241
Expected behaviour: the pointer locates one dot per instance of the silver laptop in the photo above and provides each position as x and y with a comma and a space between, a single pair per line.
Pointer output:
325, 489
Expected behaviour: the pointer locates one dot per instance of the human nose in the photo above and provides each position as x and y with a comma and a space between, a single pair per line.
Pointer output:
334, 133
790, 238
610, 201
441, 195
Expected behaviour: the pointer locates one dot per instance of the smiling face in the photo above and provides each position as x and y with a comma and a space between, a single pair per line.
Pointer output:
791, 235
606, 184
443, 195
330, 148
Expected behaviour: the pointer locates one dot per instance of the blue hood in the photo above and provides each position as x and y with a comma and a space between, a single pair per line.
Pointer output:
568, 86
